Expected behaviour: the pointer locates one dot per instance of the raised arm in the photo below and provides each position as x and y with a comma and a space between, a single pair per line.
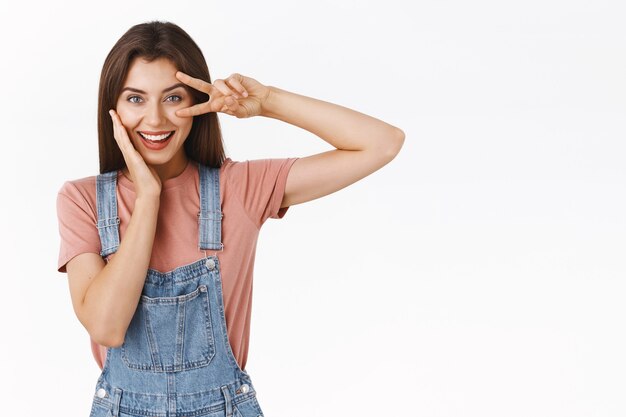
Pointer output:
364, 144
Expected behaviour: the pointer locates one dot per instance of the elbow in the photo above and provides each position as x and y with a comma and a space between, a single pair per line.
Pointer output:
102, 331
399, 141
109, 341
395, 144
107, 337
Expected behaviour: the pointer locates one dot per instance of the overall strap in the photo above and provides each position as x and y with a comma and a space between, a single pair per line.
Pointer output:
108, 221
210, 215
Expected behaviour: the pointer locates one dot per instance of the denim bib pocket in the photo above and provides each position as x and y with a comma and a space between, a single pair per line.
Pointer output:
170, 333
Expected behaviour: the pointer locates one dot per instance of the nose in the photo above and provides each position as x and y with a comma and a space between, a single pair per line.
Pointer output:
154, 115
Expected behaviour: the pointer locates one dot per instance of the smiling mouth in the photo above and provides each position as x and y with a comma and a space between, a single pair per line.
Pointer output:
156, 138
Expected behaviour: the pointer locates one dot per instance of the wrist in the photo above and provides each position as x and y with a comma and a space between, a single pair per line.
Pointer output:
148, 201
269, 103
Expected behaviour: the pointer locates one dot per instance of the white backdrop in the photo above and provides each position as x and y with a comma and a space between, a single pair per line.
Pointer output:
480, 273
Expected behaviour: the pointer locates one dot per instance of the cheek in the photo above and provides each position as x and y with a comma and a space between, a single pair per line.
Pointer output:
129, 117
183, 123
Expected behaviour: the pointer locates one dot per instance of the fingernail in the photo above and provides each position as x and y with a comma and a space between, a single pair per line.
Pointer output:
111, 113
245, 94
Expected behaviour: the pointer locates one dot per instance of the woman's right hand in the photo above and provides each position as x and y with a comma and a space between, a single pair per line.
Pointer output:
145, 179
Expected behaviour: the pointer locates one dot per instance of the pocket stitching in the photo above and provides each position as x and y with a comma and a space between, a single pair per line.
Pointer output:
207, 350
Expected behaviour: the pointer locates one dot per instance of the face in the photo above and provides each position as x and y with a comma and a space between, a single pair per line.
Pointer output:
148, 104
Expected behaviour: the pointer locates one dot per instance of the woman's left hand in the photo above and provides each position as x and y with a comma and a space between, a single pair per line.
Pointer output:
237, 95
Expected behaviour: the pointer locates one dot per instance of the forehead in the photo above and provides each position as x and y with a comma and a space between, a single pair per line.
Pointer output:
155, 74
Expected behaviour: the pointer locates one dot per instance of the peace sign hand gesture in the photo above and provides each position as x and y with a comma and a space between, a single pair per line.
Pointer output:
237, 95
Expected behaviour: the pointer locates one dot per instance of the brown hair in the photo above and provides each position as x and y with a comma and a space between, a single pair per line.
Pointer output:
150, 41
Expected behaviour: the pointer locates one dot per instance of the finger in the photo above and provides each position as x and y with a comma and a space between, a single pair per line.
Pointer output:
225, 89
231, 104
200, 108
234, 108
115, 128
226, 110
194, 110
120, 134
196, 83
234, 82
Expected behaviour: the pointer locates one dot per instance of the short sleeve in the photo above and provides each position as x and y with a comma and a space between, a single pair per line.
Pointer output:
260, 185
77, 225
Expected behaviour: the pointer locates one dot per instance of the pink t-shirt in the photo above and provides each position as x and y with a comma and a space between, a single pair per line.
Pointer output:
250, 192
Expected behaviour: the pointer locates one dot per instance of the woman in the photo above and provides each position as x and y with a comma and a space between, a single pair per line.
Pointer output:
169, 322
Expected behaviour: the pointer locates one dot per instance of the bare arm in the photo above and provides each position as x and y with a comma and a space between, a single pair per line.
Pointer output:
364, 144
105, 297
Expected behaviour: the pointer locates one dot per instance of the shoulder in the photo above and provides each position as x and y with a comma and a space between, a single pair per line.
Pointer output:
80, 187
231, 166
81, 191
233, 171
251, 168
71, 186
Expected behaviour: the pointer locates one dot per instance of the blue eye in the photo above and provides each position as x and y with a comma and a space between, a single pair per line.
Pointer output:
130, 98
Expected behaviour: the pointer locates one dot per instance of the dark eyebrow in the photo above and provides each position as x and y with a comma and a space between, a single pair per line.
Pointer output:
136, 90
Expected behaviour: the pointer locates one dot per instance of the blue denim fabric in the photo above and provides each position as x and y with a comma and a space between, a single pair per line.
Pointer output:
176, 359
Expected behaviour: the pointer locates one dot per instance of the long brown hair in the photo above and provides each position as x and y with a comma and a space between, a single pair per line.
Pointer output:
150, 41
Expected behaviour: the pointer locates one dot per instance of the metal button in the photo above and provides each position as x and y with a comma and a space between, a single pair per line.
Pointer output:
210, 263
101, 393
244, 388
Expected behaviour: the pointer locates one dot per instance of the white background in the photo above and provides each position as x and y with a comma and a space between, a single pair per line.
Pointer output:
480, 273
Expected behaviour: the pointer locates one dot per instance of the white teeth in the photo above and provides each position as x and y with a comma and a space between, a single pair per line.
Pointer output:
158, 137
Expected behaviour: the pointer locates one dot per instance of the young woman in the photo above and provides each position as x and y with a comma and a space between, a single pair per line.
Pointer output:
159, 247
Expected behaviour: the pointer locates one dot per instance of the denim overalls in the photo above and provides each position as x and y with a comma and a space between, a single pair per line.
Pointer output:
176, 359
